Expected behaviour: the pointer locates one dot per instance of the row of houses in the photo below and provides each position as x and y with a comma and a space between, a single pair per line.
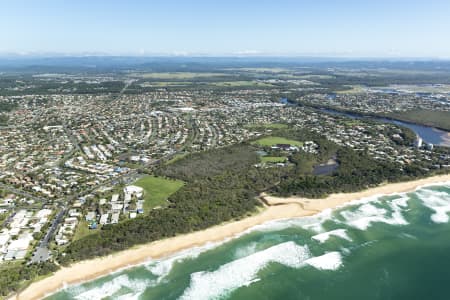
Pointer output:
16, 238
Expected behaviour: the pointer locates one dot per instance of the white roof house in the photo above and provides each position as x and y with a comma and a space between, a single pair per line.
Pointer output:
4, 238
116, 207
74, 213
71, 220
15, 254
37, 228
43, 213
21, 243
14, 231
60, 240
115, 218
90, 216
127, 198
104, 219
132, 189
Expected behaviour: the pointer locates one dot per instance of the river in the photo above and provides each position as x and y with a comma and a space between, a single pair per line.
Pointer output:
430, 135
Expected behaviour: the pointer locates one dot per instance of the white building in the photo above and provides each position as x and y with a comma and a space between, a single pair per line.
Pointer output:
419, 142
115, 218
90, 216
132, 189
115, 198
104, 219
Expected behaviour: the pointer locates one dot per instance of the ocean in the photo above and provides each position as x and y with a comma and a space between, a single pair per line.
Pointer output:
387, 247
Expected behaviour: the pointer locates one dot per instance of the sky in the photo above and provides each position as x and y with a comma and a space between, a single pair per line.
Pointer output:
348, 28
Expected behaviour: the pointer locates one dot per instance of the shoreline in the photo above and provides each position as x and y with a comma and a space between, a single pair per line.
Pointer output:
279, 208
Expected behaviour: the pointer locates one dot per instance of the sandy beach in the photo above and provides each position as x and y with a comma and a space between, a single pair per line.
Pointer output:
278, 208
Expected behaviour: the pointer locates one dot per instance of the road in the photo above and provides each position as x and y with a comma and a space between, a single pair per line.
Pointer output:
22, 193
42, 253
127, 84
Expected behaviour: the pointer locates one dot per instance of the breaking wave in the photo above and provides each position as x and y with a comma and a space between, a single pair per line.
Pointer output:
243, 271
366, 214
323, 237
328, 261
439, 202
110, 288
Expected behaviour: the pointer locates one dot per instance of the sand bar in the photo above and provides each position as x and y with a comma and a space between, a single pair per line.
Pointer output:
280, 208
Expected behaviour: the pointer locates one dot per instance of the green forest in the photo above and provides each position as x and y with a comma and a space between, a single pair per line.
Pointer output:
15, 275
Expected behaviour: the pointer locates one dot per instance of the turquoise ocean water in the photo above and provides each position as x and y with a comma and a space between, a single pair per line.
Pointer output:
389, 247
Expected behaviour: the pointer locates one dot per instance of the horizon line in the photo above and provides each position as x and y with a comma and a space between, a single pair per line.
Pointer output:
19, 55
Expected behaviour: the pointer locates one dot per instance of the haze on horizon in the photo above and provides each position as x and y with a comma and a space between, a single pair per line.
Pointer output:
349, 28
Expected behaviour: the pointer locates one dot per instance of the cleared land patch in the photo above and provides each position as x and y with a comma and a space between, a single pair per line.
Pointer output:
83, 230
273, 140
354, 89
241, 84
177, 75
273, 159
157, 190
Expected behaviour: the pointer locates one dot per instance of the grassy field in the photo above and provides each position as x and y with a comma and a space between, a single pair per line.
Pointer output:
260, 70
273, 140
176, 75
157, 190
434, 118
273, 159
354, 89
83, 230
165, 83
241, 84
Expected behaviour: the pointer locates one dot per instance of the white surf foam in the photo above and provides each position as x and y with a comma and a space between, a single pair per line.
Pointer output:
442, 183
313, 223
245, 250
243, 271
401, 202
323, 237
162, 267
437, 201
328, 261
113, 286
397, 206
368, 213
130, 296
